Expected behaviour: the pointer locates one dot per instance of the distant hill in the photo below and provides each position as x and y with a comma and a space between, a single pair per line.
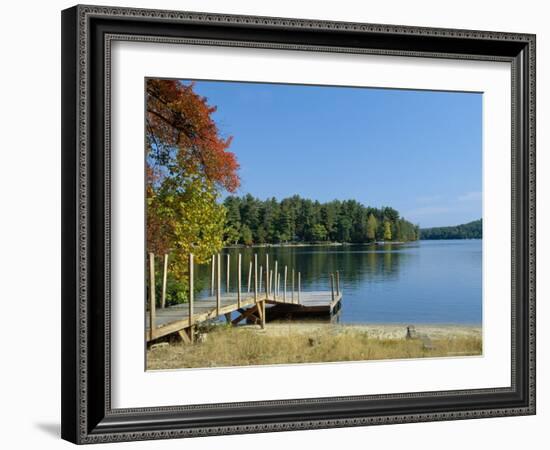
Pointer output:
471, 230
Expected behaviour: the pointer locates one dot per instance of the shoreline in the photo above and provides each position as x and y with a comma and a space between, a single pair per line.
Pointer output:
314, 342
374, 330
340, 244
316, 244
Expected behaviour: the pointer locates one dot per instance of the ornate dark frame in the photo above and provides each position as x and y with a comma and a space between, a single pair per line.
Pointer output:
87, 32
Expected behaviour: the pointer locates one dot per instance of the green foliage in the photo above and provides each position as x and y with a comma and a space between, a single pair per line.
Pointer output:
176, 290
295, 219
404, 231
471, 230
246, 235
344, 229
372, 225
191, 220
260, 235
319, 232
231, 235
387, 230
196, 220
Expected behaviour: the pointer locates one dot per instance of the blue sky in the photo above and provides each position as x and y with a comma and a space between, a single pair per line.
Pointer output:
417, 151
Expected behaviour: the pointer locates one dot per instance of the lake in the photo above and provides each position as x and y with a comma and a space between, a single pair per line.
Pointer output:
420, 282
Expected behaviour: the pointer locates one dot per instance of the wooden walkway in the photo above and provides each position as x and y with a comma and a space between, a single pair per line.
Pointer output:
249, 306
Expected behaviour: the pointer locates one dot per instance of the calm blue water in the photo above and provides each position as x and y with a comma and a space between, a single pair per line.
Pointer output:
418, 282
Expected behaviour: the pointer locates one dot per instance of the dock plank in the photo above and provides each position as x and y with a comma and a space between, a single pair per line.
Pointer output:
175, 318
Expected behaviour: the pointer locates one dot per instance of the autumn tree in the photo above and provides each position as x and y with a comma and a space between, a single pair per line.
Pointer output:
192, 220
387, 230
182, 135
372, 225
188, 166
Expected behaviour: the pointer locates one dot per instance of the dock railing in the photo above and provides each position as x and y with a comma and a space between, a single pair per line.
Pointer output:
263, 286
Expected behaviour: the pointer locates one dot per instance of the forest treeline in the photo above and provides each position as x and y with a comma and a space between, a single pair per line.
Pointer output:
471, 230
253, 221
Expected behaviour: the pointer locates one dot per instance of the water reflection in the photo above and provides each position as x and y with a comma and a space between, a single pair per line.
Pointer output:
420, 282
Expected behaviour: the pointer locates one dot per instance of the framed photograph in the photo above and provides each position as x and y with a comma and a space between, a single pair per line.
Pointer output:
279, 224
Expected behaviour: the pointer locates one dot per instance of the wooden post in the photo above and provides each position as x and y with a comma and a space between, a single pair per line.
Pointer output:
338, 283
239, 261
218, 284
299, 287
191, 294
271, 290
213, 275
275, 282
164, 277
332, 286
249, 275
152, 305
261, 275
266, 275
255, 277
292, 292
227, 275
260, 311
284, 285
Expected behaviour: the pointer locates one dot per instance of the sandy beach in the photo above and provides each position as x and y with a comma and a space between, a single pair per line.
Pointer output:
375, 330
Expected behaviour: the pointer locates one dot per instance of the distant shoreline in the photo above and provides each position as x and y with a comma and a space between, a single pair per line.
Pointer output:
342, 244
470, 230
316, 244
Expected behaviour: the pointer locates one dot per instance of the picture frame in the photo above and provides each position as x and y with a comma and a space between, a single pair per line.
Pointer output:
87, 365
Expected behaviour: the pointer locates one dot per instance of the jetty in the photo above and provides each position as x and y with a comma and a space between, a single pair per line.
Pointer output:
277, 288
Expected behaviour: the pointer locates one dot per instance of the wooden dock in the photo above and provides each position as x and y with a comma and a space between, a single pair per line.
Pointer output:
247, 303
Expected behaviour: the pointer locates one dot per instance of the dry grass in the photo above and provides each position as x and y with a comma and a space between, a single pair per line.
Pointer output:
243, 346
